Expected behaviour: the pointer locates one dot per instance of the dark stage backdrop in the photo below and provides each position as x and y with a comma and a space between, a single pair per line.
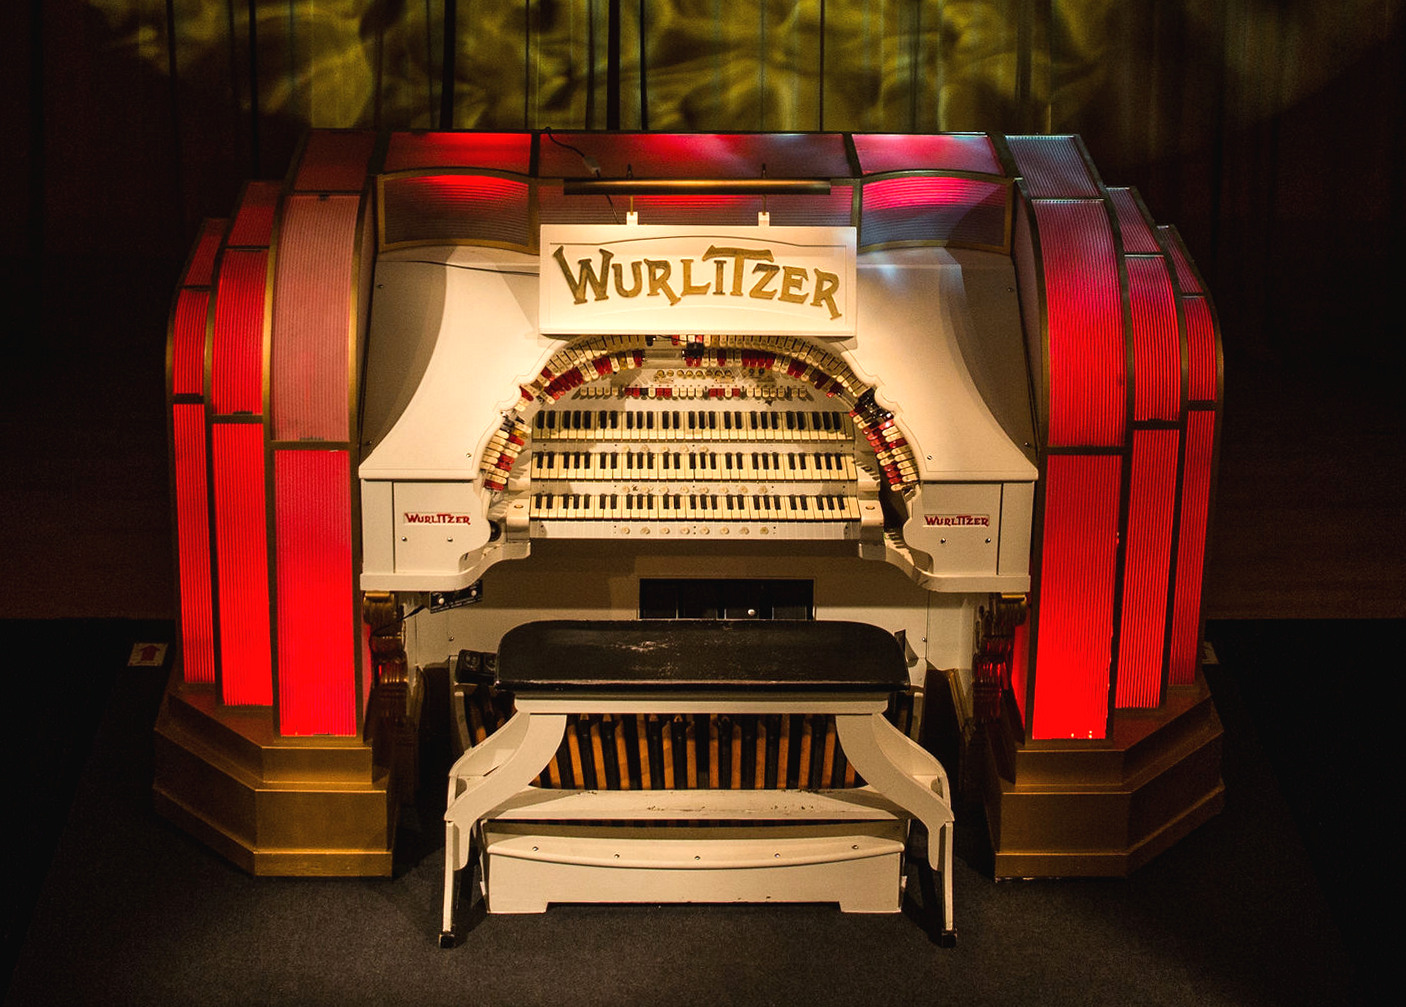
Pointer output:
1268, 131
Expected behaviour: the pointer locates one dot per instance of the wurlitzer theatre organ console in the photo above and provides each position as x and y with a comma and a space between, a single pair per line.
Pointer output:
950, 387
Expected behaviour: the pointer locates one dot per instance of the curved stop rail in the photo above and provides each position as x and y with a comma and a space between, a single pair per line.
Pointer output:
557, 668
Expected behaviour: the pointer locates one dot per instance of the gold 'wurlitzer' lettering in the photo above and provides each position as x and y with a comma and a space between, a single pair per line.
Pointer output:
634, 290
791, 279
659, 270
738, 257
587, 276
826, 284
768, 273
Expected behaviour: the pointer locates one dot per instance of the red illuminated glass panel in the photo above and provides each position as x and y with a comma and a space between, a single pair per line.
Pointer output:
312, 318
188, 342
1186, 276
1147, 560
1137, 233
334, 162
1191, 545
696, 155
1156, 340
314, 588
253, 224
456, 208
960, 211
497, 151
193, 541
1075, 597
1020, 667
246, 672
1201, 349
1084, 316
202, 259
237, 354
1053, 167
927, 151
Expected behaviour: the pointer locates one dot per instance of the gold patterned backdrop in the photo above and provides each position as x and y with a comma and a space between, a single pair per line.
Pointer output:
1262, 128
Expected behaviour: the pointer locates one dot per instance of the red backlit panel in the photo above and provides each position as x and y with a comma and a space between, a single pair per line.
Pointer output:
313, 563
1075, 602
1186, 276
334, 162
696, 155
188, 342
1020, 667
241, 542
193, 541
926, 151
253, 224
456, 209
1084, 312
497, 151
1053, 167
1137, 234
312, 323
789, 210
959, 211
237, 355
1027, 275
1156, 340
1191, 546
202, 259
1201, 349
1147, 560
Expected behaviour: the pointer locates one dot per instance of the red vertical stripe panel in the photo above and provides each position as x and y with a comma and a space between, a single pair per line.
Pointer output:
1156, 342
193, 541
1020, 668
1084, 308
1191, 546
246, 672
1201, 349
237, 356
1077, 567
313, 317
313, 557
1147, 560
1053, 167
188, 342
335, 161
202, 260
253, 224
1137, 233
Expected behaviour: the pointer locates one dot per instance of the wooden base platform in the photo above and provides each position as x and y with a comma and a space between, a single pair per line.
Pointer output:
274, 806
1102, 809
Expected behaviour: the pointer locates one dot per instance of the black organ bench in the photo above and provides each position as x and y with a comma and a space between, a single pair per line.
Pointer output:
752, 847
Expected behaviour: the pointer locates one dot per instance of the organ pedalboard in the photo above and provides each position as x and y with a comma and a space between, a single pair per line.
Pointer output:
730, 453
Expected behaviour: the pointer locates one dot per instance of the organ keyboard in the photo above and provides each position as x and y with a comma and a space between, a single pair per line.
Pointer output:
766, 457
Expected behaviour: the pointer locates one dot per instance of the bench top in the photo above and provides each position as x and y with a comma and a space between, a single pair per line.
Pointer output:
700, 654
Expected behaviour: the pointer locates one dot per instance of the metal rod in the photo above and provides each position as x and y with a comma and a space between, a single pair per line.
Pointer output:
695, 186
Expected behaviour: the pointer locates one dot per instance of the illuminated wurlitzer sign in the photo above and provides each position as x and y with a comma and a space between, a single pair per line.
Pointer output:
638, 278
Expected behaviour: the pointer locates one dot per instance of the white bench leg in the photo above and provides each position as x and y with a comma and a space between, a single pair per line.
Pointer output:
895, 766
485, 777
